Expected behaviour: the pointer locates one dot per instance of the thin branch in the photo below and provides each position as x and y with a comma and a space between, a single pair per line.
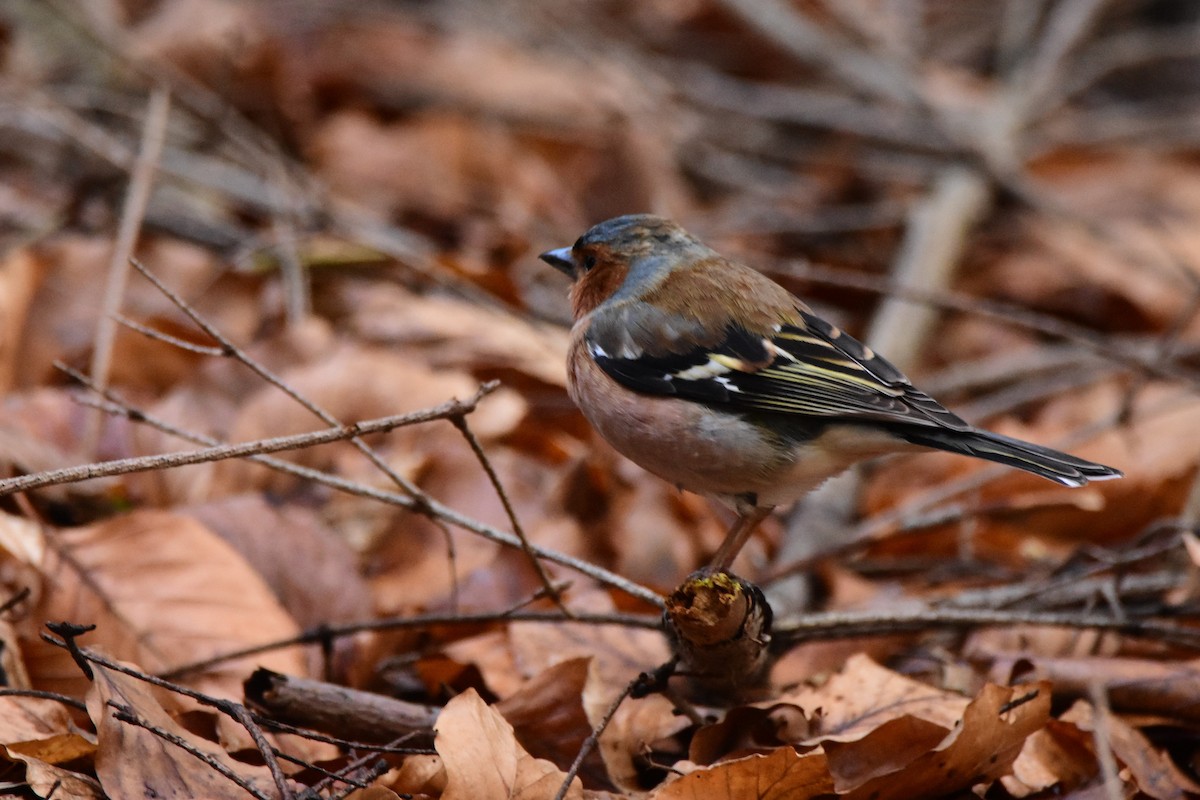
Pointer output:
392, 747
461, 424
141, 180
325, 632
159, 336
1068, 23
126, 714
1114, 787
229, 708
328, 776
66, 700
243, 717
851, 625
283, 225
17, 598
368, 772
277, 444
259, 369
593, 738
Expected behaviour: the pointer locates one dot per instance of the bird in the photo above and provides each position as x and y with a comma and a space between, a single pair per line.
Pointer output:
712, 376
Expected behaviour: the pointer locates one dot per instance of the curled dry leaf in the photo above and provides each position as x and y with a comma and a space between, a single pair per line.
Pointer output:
881, 735
864, 695
161, 588
779, 775
980, 749
42, 757
1152, 770
132, 761
31, 718
483, 759
1060, 757
48, 780
547, 712
1135, 685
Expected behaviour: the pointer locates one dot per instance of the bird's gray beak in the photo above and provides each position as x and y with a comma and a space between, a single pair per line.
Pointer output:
560, 259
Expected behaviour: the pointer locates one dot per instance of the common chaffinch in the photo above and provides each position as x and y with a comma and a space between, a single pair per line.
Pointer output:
715, 378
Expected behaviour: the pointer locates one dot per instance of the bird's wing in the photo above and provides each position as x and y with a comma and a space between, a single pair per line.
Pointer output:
805, 367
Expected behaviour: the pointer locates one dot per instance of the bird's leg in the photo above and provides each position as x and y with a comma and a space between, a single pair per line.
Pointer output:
749, 515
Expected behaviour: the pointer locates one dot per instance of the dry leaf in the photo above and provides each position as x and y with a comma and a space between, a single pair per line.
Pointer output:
132, 761
865, 695
27, 719
312, 571
547, 712
779, 775
1153, 770
161, 588
1135, 685
47, 780
1060, 757
981, 748
483, 759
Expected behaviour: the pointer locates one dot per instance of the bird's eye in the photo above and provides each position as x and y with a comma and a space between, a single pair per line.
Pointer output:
589, 261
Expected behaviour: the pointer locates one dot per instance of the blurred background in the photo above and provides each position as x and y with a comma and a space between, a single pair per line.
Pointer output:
1003, 197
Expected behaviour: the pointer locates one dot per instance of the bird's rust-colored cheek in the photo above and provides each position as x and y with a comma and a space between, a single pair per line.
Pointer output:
596, 286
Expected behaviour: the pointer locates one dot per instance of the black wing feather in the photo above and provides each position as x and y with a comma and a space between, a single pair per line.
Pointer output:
811, 369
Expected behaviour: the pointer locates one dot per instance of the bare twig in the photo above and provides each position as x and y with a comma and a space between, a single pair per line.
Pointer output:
17, 598
126, 714
221, 452
850, 625
368, 766
1123, 50
159, 336
393, 747
329, 776
593, 738
1067, 24
485, 462
242, 716
141, 180
66, 700
421, 500
324, 632
1102, 713
229, 708
244, 358
283, 224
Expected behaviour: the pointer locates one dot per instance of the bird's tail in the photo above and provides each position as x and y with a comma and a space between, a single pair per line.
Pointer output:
1053, 465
